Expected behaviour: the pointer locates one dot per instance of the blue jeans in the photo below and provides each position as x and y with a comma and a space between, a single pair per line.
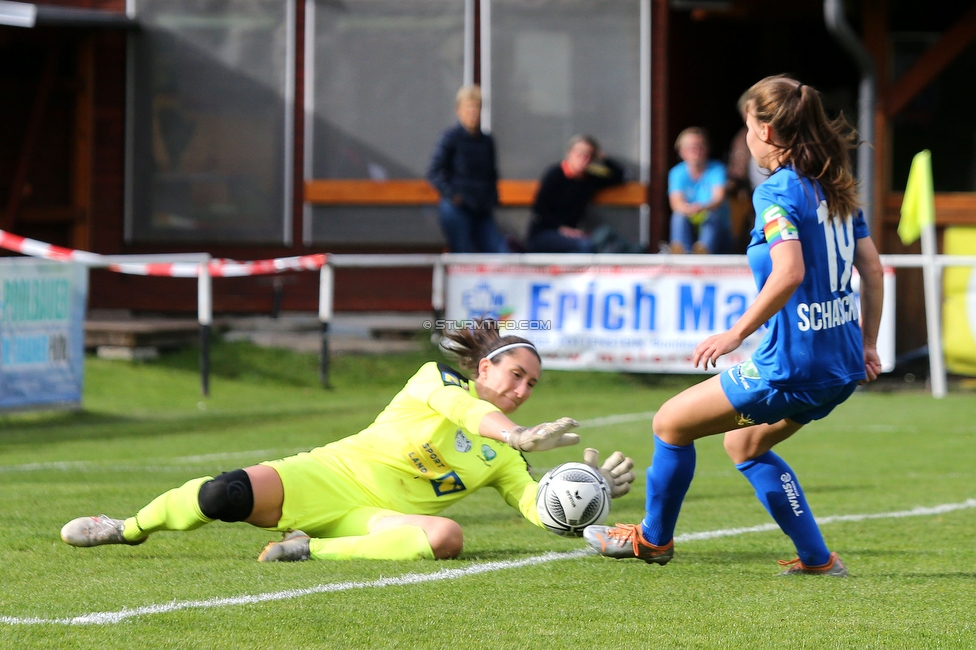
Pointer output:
551, 241
467, 231
714, 232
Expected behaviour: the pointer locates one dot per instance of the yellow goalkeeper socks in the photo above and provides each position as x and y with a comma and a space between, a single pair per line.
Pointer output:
177, 509
400, 543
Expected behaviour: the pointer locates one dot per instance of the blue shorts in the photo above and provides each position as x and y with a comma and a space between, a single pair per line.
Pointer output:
759, 403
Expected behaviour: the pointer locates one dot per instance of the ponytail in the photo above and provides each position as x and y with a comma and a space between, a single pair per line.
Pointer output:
817, 147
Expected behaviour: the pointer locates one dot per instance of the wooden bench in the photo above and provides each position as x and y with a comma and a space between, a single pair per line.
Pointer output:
511, 193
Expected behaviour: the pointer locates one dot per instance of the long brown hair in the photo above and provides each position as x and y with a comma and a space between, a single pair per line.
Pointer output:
468, 346
816, 146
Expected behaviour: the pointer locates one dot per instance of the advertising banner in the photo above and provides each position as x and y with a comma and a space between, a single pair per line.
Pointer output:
620, 318
42, 314
959, 306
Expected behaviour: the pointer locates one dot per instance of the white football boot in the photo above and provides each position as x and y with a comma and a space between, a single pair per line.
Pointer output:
292, 548
95, 531
627, 541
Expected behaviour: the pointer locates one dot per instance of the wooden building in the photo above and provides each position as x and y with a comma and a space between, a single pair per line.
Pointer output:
75, 142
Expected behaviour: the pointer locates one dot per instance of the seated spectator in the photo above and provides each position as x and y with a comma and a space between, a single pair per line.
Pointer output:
564, 192
696, 192
463, 170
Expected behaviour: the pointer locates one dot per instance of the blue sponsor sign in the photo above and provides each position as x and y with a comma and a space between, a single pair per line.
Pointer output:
42, 315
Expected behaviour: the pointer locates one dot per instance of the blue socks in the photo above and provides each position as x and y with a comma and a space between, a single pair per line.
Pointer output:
777, 489
668, 479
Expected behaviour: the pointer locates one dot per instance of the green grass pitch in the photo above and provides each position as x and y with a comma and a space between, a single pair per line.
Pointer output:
144, 429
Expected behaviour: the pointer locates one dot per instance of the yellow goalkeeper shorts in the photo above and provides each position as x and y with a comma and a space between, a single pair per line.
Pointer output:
322, 500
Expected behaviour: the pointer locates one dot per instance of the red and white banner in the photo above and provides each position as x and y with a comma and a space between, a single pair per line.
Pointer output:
36, 248
221, 268
218, 268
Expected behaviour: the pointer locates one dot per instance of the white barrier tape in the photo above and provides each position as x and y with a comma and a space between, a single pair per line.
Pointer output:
36, 248
218, 268
223, 268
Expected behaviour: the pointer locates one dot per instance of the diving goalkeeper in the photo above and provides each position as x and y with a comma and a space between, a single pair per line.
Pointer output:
376, 494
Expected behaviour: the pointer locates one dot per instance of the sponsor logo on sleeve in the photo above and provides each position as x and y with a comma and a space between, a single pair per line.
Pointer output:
451, 377
488, 453
461, 442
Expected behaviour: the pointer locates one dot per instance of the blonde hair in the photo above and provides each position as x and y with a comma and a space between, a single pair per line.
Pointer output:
469, 346
692, 130
817, 147
468, 94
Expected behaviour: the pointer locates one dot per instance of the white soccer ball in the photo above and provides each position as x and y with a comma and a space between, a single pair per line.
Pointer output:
571, 497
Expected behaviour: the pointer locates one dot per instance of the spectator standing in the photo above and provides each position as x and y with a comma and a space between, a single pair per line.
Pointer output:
564, 192
696, 192
463, 169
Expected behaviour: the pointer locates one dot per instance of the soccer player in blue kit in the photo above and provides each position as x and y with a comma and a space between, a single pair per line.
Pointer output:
809, 233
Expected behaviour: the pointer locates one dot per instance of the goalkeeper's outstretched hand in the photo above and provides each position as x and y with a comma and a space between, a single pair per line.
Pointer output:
543, 437
616, 470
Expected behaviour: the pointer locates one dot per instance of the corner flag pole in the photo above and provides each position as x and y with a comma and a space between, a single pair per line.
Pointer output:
918, 220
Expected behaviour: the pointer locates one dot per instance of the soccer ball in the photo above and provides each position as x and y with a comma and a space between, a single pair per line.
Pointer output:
571, 497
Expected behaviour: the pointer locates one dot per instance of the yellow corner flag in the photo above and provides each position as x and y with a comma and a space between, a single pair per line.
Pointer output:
918, 206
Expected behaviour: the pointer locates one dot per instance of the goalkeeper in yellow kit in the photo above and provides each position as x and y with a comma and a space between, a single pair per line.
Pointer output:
376, 494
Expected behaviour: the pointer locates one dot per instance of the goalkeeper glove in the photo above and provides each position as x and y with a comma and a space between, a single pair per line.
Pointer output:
616, 470
543, 437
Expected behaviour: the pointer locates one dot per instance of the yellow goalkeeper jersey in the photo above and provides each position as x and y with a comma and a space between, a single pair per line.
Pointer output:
423, 452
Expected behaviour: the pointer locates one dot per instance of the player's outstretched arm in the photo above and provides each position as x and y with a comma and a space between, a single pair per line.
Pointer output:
616, 470
543, 437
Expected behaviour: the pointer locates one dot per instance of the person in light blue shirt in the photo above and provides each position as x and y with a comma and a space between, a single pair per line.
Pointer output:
820, 341
696, 192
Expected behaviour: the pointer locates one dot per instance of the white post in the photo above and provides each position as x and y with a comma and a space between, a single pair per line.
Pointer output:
205, 318
437, 300
486, 66
309, 102
437, 288
326, 283
468, 77
204, 294
932, 279
644, 127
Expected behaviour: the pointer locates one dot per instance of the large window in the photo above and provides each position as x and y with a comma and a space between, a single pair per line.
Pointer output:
382, 78
562, 67
210, 137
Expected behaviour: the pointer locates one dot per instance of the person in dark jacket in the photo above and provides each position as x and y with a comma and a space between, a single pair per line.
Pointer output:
463, 170
564, 192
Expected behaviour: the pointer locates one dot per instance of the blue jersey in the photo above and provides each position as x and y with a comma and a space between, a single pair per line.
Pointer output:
815, 340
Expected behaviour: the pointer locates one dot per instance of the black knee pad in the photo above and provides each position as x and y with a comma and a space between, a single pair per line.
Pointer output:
228, 497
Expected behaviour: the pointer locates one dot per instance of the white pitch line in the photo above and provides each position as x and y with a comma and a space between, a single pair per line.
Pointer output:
152, 464
101, 618
622, 418
104, 618
762, 528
